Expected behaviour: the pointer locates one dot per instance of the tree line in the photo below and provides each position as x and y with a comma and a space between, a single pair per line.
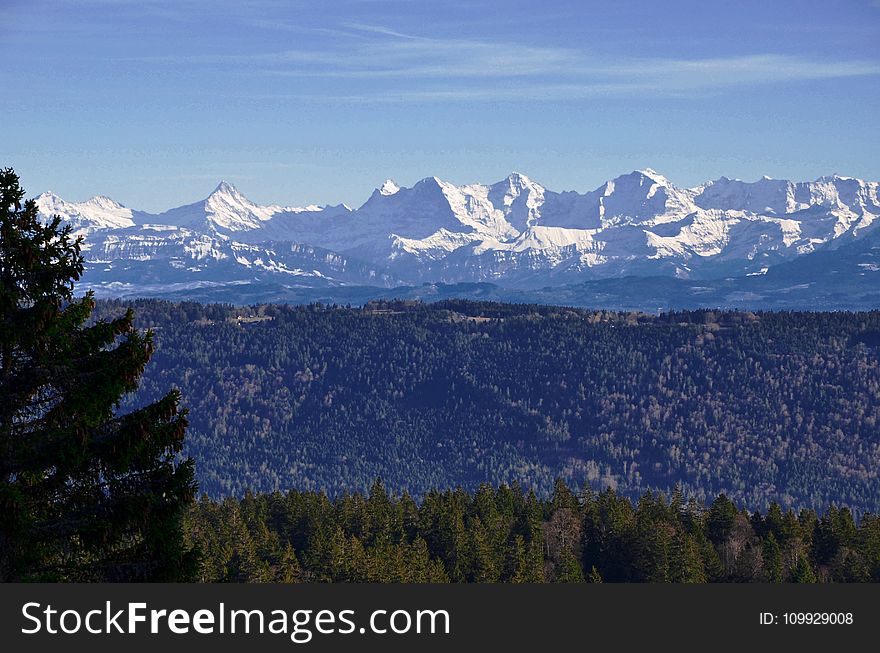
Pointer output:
509, 535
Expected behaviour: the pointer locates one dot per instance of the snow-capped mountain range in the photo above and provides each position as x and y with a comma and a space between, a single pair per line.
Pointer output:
515, 233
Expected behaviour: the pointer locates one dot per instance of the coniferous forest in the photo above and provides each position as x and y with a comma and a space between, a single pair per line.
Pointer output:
509, 535
762, 407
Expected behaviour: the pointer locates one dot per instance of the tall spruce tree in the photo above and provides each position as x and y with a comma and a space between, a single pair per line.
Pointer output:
86, 493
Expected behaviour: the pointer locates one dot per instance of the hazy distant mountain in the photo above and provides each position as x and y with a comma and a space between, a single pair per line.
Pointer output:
516, 234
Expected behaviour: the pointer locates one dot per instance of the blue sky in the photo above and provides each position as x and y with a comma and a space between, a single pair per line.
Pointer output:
153, 101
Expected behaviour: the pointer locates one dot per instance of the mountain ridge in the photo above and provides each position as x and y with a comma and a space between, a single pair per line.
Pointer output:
515, 232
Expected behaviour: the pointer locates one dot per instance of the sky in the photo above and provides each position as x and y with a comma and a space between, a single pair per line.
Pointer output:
152, 102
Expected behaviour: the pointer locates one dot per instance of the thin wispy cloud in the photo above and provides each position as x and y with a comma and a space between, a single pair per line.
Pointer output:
378, 29
568, 90
416, 68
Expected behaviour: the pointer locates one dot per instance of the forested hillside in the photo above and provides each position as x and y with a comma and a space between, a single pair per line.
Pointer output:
764, 407
509, 535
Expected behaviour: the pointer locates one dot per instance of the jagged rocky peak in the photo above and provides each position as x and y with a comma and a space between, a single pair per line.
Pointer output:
514, 184
389, 187
430, 182
652, 175
225, 188
641, 195
518, 180
766, 195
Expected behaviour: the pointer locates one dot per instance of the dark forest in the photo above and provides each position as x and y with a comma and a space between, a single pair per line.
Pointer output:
763, 407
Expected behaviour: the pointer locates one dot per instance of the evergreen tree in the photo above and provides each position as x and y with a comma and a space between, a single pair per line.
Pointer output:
85, 493
245, 564
722, 515
803, 572
711, 561
568, 569
516, 563
486, 567
535, 563
870, 536
289, 570
772, 560
686, 565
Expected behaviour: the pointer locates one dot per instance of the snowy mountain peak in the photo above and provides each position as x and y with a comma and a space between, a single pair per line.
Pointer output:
389, 187
50, 204
96, 213
225, 188
836, 177
512, 186
224, 211
518, 182
432, 181
653, 175
47, 201
104, 202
